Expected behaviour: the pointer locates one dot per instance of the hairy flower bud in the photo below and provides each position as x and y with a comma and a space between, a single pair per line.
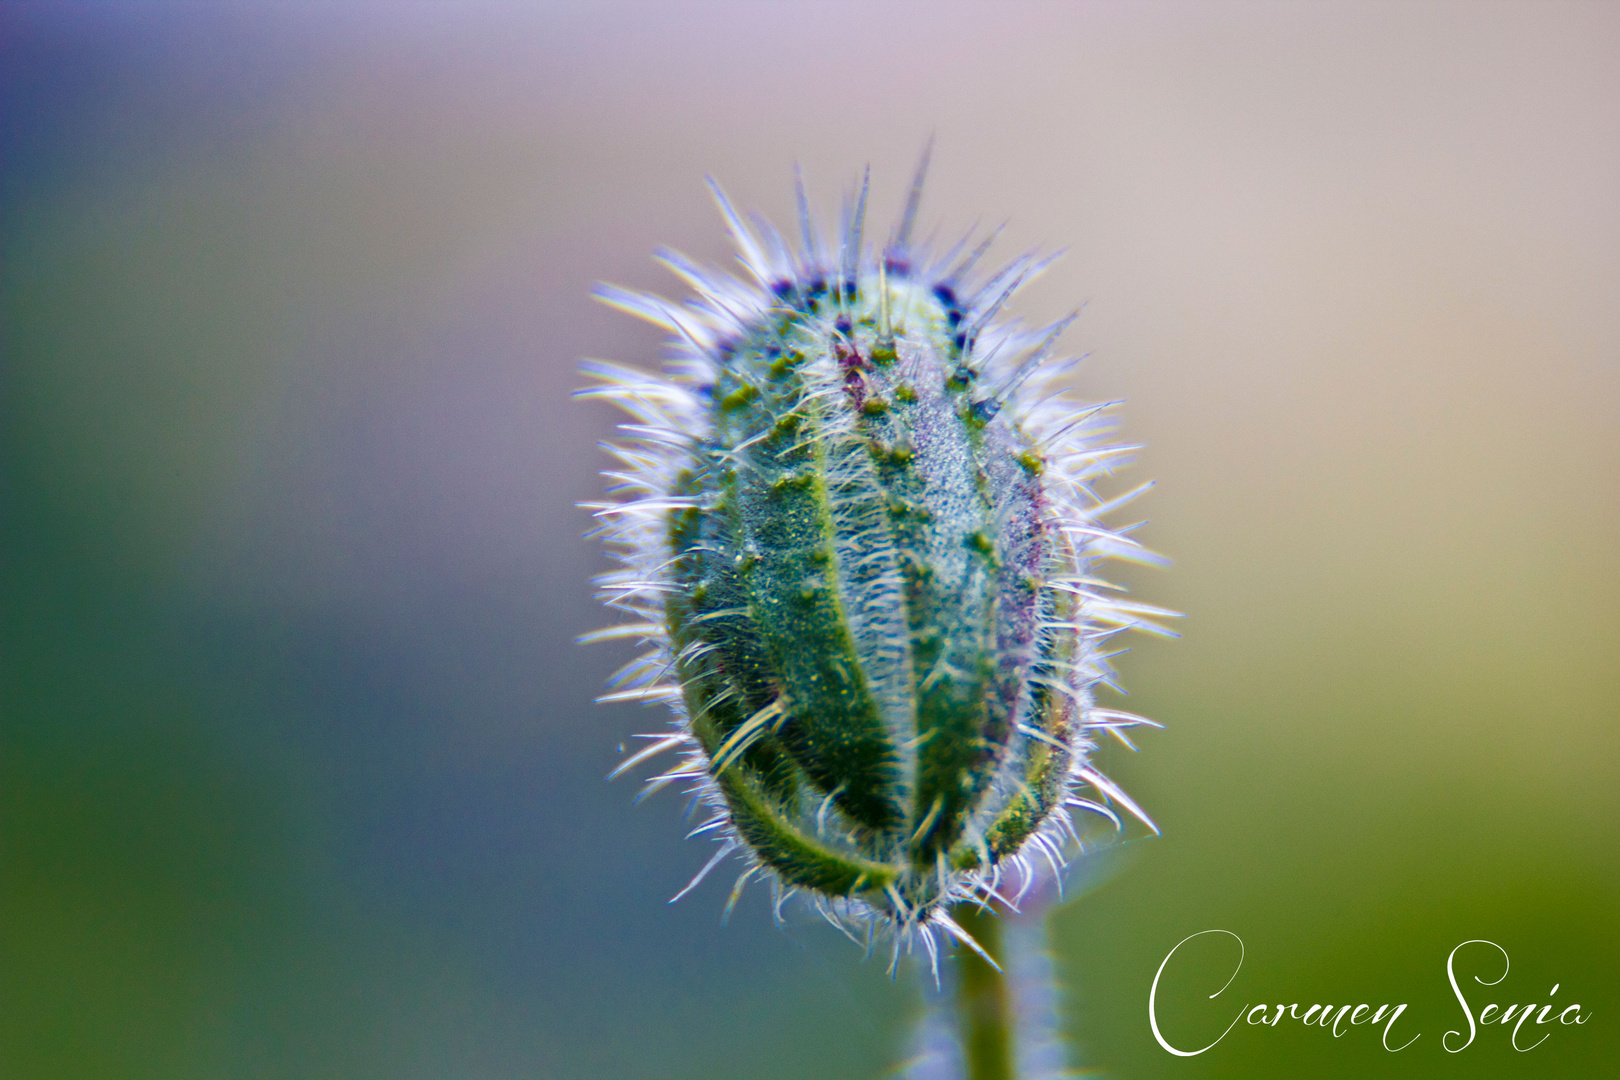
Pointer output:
859, 537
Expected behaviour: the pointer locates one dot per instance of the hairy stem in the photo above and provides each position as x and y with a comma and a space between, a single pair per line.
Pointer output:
984, 1002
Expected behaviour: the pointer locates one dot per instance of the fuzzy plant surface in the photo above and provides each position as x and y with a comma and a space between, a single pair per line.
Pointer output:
859, 538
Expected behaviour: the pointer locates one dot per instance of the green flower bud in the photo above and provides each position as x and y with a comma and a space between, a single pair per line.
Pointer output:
859, 535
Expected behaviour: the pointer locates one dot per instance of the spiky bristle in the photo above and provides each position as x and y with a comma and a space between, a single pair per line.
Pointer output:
857, 532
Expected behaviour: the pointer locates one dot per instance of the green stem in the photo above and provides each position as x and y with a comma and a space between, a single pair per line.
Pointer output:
984, 1004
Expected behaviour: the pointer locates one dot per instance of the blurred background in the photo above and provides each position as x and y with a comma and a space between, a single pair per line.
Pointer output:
300, 774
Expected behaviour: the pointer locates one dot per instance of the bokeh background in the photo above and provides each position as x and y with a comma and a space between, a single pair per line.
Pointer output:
300, 774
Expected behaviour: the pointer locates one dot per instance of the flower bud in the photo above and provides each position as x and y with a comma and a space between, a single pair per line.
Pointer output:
859, 533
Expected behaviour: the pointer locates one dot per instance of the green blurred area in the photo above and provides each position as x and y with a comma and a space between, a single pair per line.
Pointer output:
140, 862
299, 774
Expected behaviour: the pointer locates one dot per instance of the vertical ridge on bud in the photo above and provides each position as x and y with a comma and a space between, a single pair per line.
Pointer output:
858, 534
